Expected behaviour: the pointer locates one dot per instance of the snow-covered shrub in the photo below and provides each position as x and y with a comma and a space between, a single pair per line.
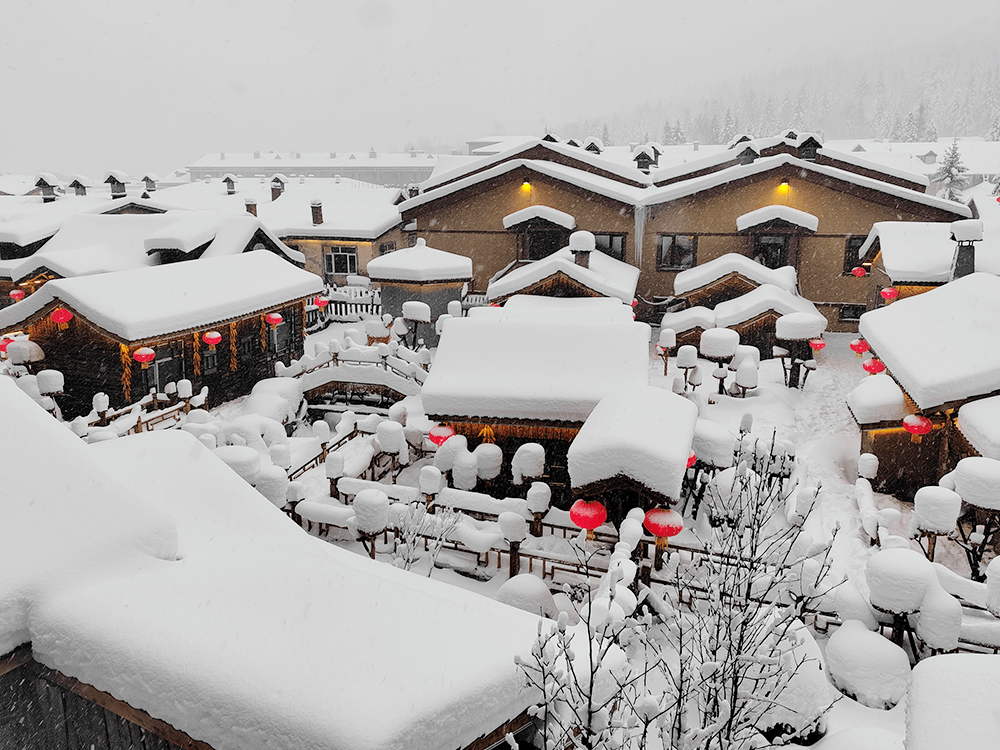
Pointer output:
868, 466
746, 374
687, 356
391, 440
279, 399
977, 480
897, 579
430, 480
321, 430
490, 460
334, 465
528, 462
371, 509
993, 586
940, 621
719, 343
256, 431
529, 593
49, 382
512, 526
935, 509
444, 458
243, 460
416, 310
465, 471
272, 483
397, 413
867, 667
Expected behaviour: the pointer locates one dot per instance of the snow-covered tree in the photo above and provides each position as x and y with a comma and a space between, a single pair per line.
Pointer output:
951, 174
993, 134
606, 136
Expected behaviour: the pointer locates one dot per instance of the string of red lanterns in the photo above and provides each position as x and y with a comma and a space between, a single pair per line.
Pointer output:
588, 514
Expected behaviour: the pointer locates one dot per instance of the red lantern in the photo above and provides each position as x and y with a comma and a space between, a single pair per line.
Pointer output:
889, 293
17, 294
859, 347
662, 524
859, 272
62, 316
873, 366
439, 433
817, 344
321, 302
691, 459
588, 514
635, 302
211, 338
3, 344
144, 356
273, 319
917, 425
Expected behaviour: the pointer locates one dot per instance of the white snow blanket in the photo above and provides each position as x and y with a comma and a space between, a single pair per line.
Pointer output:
420, 263
952, 703
782, 213
641, 433
145, 302
685, 320
530, 307
605, 275
765, 298
979, 421
694, 278
533, 370
560, 218
877, 398
920, 251
943, 345
96, 579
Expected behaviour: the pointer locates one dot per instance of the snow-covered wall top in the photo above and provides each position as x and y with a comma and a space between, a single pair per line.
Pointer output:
979, 421
642, 433
553, 215
579, 309
420, 263
706, 273
760, 300
222, 634
604, 275
145, 302
943, 345
524, 369
784, 213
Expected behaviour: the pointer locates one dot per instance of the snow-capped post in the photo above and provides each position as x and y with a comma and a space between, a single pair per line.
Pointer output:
371, 511
746, 376
430, 485
295, 493
101, 405
993, 587
719, 345
539, 498
415, 313
334, 470
798, 335
281, 456
514, 531
667, 341
185, 392
321, 433
935, 512
528, 463
687, 360
272, 483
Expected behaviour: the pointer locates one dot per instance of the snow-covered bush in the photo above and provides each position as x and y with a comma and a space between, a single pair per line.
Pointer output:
867, 667
490, 460
50, 382
936, 510
897, 579
444, 459
244, 460
528, 463
529, 593
465, 471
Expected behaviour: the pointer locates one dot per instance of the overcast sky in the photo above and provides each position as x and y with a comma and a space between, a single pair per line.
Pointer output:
91, 85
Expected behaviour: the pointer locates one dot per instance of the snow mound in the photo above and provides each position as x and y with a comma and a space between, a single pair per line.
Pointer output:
866, 666
713, 270
952, 703
935, 509
529, 593
898, 579
863, 738
719, 343
796, 326
977, 480
877, 398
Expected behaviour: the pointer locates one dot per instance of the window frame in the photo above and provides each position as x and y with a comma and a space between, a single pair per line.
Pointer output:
665, 266
209, 361
332, 252
842, 318
612, 236
848, 264
385, 248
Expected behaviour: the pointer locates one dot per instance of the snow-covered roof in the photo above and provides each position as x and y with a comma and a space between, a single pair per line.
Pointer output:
144, 302
942, 345
530, 307
533, 369
913, 250
772, 212
979, 421
116, 175
16, 184
762, 299
951, 702
898, 170
97, 243
420, 263
561, 218
155, 585
604, 274
692, 317
697, 277
979, 155
642, 433
877, 398
29, 229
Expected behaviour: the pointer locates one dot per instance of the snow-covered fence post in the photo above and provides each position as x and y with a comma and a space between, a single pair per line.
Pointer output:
321, 432
687, 360
50, 384
101, 405
334, 470
514, 532
528, 463
371, 513
430, 485
719, 345
272, 483
667, 341
539, 497
185, 392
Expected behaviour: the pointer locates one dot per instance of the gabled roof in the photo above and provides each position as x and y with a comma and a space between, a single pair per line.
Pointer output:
420, 263
765, 298
777, 212
699, 276
552, 215
143, 303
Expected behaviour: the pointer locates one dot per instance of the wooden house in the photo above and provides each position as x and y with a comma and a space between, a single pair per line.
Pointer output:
578, 269
727, 277
821, 202
421, 274
133, 564
942, 350
168, 308
534, 378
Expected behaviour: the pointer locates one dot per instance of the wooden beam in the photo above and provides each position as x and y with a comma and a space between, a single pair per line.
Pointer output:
16, 658
496, 737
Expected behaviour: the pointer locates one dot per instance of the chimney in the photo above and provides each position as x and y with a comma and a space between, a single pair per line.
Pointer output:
697, 145
256, 154
966, 233
222, 156
317, 212
413, 154
298, 154
333, 154
230, 184
582, 244
151, 183
277, 187
372, 154
251, 204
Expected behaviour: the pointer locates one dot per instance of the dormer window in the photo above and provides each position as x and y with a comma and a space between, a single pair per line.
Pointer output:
808, 149
747, 156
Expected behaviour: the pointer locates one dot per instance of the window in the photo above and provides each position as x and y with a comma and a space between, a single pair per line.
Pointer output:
411, 239
280, 339
851, 313
209, 361
341, 260
386, 248
771, 250
168, 367
543, 244
675, 252
851, 253
611, 244
249, 345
